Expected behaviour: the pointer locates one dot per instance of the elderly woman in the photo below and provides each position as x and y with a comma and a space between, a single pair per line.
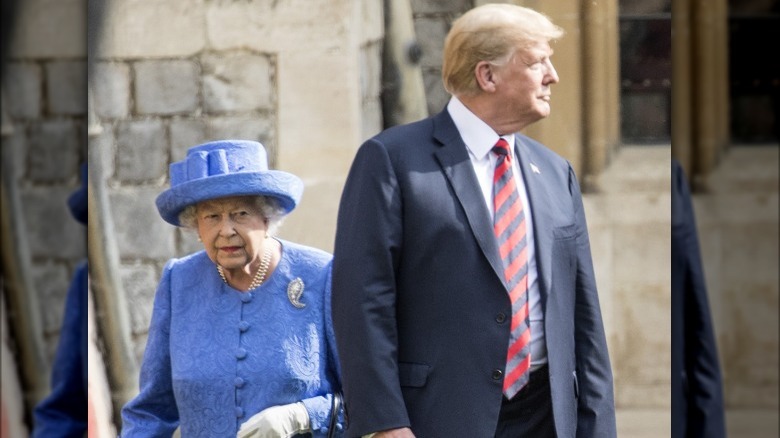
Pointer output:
240, 336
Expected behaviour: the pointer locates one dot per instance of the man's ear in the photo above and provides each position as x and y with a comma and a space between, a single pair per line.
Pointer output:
484, 74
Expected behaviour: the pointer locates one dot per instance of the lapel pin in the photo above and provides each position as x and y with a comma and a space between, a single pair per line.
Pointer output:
294, 293
535, 169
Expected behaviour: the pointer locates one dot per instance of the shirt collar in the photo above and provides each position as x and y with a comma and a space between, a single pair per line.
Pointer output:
478, 136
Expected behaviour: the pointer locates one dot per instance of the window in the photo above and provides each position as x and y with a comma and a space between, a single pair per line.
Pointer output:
754, 72
645, 71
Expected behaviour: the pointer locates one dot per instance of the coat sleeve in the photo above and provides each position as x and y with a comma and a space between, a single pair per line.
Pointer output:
153, 412
596, 403
320, 407
368, 239
705, 413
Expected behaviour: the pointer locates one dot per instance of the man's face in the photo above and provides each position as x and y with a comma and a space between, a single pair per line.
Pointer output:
524, 83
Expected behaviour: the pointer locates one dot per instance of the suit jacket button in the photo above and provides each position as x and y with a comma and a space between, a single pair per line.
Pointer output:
497, 374
500, 318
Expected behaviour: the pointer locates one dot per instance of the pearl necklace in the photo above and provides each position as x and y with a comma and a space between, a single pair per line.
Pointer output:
259, 276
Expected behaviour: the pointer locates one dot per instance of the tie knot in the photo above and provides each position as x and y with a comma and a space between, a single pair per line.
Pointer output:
501, 148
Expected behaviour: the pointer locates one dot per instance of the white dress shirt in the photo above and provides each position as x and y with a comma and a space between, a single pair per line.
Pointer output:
480, 139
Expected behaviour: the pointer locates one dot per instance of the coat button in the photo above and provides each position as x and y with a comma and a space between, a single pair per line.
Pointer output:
240, 353
497, 374
239, 382
243, 326
246, 297
239, 412
500, 318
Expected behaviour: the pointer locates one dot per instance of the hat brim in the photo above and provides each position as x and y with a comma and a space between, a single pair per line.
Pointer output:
285, 187
77, 202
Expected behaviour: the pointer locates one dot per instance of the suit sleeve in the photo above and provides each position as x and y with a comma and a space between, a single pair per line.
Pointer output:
64, 411
153, 411
368, 239
705, 415
596, 404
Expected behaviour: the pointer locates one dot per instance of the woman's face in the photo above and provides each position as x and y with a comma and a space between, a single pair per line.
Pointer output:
232, 230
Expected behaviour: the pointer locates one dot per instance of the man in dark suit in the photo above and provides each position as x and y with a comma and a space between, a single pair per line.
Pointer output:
464, 298
697, 396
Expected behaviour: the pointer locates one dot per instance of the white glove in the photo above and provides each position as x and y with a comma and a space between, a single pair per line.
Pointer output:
281, 421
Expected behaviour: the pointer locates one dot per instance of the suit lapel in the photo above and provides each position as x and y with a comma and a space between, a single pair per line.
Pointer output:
456, 165
538, 197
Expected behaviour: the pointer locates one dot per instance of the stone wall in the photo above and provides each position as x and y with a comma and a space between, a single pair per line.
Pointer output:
43, 143
305, 87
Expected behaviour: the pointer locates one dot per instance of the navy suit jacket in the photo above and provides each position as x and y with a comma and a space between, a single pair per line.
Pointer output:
697, 397
419, 304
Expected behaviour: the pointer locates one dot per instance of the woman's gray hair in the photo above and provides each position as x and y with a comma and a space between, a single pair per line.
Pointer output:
492, 33
269, 207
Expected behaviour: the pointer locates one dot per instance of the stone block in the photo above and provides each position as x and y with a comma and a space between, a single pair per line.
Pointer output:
15, 150
110, 83
372, 18
154, 29
282, 26
139, 345
636, 256
142, 151
187, 242
166, 87
451, 7
66, 87
52, 232
760, 422
371, 118
140, 232
139, 283
260, 129
435, 94
186, 133
238, 82
317, 210
371, 70
51, 284
637, 170
50, 29
640, 349
329, 110
106, 141
431, 33
53, 151
643, 423
23, 90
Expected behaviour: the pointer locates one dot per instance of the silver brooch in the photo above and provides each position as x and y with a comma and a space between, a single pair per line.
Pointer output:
294, 292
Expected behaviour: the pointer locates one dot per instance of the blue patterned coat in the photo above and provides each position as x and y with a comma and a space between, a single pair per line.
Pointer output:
216, 356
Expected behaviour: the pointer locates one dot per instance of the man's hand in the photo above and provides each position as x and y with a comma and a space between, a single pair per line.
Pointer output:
403, 432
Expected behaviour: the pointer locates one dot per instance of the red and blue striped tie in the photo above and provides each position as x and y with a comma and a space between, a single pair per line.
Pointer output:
509, 226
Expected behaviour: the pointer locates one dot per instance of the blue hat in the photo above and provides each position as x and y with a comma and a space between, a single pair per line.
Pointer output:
77, 201
222, 169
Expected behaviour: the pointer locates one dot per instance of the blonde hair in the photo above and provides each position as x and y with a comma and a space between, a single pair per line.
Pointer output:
492, 33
